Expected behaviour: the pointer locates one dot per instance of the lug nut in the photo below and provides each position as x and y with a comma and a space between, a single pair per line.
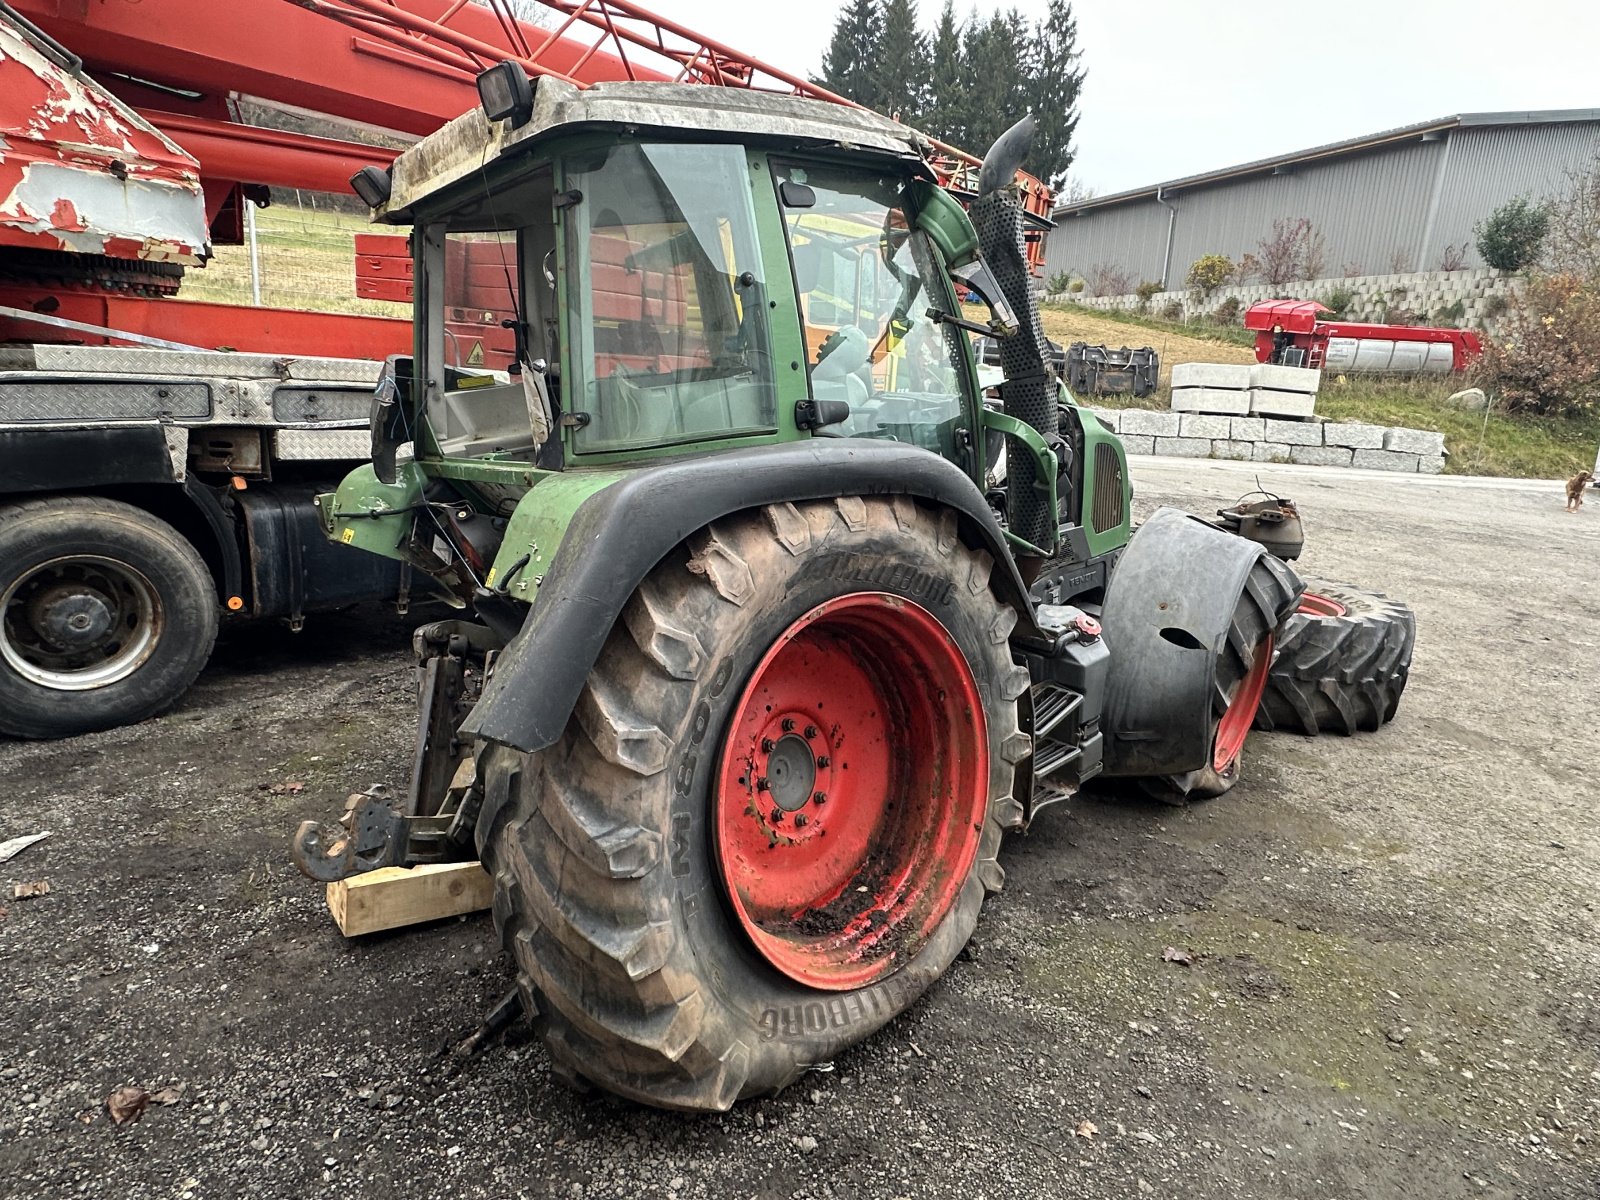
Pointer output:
788, 724
799, 820
777, 816
820, 798
811, 732
767, 745
761, 783
823, 761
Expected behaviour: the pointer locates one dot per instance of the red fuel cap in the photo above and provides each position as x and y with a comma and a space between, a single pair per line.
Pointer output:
1086, 625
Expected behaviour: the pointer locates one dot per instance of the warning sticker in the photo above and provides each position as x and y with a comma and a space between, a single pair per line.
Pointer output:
475, 355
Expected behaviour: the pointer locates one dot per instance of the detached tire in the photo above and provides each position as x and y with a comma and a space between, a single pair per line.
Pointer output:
773, 817
1344, 658
107, 615
1242, 674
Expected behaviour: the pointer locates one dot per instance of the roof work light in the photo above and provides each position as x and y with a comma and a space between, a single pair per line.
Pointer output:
505, 90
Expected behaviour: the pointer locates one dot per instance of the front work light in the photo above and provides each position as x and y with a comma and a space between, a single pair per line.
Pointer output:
505, 90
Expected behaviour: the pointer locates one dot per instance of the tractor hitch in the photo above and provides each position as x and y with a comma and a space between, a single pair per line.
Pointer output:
373, 832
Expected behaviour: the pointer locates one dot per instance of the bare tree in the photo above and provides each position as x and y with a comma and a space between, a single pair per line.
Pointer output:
1453, 258
1074, 190
1108, 279
1293, 250
1572, 246
1401, 262
530, 12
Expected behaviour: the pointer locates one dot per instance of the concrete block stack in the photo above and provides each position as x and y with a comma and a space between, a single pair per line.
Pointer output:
1283, 391
1222, 388
1245, 389
1268, 439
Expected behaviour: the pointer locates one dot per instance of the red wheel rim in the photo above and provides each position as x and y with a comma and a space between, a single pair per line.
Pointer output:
851, 792
1313, 604
1235, 724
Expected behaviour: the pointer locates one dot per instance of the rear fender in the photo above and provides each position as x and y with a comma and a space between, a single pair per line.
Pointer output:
1167, 613
619, 533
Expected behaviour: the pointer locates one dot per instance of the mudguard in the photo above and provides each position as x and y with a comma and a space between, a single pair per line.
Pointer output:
620, 533
1166, 618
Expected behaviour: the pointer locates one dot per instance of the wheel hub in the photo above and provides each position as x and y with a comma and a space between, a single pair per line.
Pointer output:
79, 622
852, 792
70, 619
790, 769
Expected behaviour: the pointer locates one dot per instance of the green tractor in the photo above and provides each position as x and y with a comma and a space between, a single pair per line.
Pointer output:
771, 623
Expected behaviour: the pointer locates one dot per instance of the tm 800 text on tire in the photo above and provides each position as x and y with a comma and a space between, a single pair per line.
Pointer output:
107, 615
771, 822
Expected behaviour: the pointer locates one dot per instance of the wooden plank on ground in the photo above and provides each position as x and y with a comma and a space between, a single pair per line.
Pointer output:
392, 897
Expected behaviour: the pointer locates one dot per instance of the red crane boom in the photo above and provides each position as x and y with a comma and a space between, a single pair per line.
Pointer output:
404, 66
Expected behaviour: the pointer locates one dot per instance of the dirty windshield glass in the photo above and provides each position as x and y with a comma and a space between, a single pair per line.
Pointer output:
866, 283
669, 323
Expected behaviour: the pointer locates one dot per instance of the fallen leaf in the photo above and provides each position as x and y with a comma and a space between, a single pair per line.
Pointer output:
4, 913
292, 787
167, 1095
10, 849
1086, 1129
127, 1104
27, 891
1184, 958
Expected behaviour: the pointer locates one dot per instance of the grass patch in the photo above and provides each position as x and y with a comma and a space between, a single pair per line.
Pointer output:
307, 260
1512, 446
1203, 330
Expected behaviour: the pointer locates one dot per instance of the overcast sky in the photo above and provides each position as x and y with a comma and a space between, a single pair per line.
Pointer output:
1176, 88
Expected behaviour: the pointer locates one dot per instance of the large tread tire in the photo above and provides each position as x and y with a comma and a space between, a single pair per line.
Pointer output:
606, 890
125, 538
1271, 592
1340, 672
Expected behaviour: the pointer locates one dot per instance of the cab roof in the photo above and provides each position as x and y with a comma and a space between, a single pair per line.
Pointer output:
471, 141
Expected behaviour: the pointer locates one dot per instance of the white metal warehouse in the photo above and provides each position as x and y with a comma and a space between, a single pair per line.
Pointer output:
1391, 201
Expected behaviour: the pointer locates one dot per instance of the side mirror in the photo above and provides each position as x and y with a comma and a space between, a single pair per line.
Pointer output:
390, 418
817, 414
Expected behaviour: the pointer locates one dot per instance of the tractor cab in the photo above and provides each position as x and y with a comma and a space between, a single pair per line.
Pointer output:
620, 280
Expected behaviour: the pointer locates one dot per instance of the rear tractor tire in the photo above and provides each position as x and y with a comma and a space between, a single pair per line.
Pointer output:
107, 614
773, 817
1344, 657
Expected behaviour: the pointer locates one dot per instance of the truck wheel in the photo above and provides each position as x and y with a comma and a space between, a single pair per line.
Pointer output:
106, 615
1345, 656
1242, 671
773, 817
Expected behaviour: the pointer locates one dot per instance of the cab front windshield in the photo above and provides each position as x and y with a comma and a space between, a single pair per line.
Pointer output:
867, 280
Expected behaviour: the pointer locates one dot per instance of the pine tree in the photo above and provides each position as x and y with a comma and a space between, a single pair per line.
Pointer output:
995, 85
851, 65
1055, 79
902, 74
945, 113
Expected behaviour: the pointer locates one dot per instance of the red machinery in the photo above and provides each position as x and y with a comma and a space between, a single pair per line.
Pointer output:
405, 66
1291, 333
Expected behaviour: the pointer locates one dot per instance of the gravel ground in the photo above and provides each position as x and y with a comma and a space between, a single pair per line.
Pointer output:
1393, 993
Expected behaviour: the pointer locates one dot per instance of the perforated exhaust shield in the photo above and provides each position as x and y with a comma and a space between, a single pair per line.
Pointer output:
1030, 388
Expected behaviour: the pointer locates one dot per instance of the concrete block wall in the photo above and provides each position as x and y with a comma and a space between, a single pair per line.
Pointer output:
1425, 292
1263, 439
